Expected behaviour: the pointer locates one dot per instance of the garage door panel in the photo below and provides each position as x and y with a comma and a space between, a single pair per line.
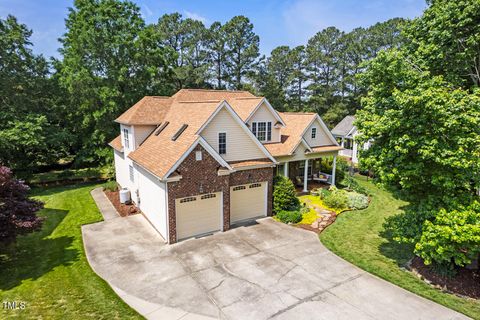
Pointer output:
198, 215
248, 201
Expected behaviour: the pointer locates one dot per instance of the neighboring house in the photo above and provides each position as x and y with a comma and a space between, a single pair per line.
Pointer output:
345, 133
203, 160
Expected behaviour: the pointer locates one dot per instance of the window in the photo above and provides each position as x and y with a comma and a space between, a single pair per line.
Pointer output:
189, 199
262, 130
132, 173
208, 196
314, 133
198, 155
222, 143
239, 188
126, 139
255, 185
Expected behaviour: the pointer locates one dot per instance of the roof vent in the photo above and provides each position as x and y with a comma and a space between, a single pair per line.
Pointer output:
160, 129
179, 132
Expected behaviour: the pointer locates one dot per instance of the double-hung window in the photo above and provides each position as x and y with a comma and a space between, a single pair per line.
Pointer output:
314, 133
126, 139
262, 130
222, 143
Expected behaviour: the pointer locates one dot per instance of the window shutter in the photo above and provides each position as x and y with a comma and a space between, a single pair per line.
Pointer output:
269, 131
254, 128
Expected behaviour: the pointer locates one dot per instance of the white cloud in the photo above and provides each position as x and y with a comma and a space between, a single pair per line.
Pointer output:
195, 16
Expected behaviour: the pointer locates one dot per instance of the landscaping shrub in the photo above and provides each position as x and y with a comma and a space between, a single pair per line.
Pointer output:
337, 199
110, 186
357, 200
323, 193
17, 210
284, 195
286, 216
352, 184
453, 238
340, 170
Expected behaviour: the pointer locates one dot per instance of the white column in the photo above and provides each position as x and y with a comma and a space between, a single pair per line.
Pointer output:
305, 176
285, 169
334, 167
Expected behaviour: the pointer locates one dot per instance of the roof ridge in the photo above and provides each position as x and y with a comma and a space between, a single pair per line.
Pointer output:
246, 98
218, 90
299, 113
199, 101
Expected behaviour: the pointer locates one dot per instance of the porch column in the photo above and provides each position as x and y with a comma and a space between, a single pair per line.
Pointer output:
334, 167
285, 169
305, 177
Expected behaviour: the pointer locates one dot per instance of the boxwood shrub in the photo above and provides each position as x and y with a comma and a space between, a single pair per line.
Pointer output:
284, 195
285, 216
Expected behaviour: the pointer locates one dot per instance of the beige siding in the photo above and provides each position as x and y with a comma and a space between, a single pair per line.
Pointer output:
264, 114
199, 216
248, 201
239, 145
321, 138
141, 133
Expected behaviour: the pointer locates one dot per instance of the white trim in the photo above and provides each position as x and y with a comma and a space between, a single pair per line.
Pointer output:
272, 110
266, 198
236, 117
167, 216
302, 140
174, 179
324, 127
218, 142
207, 147
222, 218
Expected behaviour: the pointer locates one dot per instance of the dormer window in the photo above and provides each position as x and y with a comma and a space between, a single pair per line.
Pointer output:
314, 133
262, 130
126, 139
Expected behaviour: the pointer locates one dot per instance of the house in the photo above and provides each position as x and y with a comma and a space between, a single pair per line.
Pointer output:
202, 160
345, 132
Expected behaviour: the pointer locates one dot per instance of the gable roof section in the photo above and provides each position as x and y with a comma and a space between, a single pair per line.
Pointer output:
239, 121
344, 127
150, 110
292, 133
297, 124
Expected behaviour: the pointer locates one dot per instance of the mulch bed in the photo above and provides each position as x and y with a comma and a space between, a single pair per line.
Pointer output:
465, 283
123, 209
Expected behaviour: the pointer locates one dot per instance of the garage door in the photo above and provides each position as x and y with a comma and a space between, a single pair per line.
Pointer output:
198, 215
248, 201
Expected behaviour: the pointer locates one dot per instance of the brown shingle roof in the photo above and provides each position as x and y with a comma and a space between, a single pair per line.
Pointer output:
325, 149
296, 123
150, 110
159, 153
248, 163
117, 143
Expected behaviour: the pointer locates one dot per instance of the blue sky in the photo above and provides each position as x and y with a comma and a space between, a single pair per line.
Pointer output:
280, 22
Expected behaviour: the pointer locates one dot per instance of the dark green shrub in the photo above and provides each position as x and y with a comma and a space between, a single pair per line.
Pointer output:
285, 216
284, 195
110, 186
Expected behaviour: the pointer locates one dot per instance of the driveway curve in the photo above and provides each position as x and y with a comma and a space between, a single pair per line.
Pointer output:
264, 271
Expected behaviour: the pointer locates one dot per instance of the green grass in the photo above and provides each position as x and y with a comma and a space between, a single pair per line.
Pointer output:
48, 269
359, 237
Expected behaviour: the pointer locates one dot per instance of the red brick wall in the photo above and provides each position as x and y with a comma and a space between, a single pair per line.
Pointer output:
199, 177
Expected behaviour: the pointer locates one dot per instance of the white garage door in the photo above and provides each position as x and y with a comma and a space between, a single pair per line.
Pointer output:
199, 214
248, 201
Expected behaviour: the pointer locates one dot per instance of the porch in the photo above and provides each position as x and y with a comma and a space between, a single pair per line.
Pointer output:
310, 174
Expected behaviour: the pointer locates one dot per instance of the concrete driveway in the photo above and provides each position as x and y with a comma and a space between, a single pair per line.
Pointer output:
264, 271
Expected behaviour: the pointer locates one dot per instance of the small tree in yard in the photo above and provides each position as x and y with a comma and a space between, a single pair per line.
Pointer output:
284, 195
17, 211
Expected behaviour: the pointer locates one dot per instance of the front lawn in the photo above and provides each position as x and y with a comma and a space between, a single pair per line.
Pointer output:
48, 269
358, 236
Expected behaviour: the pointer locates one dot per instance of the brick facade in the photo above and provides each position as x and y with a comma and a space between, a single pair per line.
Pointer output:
200, 177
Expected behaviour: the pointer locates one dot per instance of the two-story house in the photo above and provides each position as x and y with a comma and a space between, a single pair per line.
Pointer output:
202, 160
